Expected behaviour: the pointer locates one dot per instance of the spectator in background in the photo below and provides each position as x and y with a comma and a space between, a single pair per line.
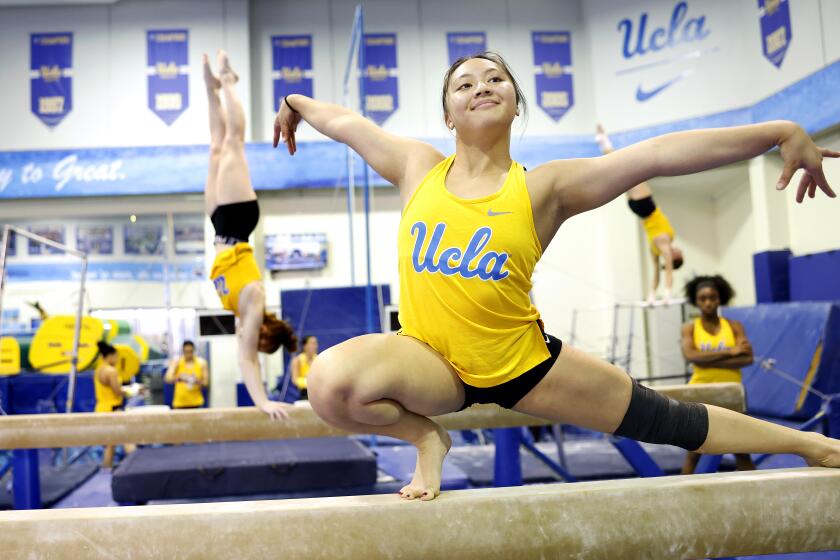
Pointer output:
190, 375
302, 362
110, 395
717, 348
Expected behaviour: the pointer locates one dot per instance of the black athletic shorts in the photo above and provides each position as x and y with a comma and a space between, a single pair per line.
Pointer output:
511, 392
643, 207
235, 222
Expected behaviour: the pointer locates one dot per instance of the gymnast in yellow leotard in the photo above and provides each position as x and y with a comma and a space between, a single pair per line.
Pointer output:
473, 226
658, 231
716, 347
232, 205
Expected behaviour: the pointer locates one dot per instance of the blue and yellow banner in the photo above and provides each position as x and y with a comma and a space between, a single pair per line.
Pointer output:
167, 68
465, 43
379, 75
775, 29
291, 63
553, 71
51, 76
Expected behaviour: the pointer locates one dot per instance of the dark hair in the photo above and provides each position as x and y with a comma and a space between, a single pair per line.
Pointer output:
306, 338
188, 343
280, 333
718, 282
492, 57
677, 263
105, 349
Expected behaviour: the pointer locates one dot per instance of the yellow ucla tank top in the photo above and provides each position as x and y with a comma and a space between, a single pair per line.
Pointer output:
106, 400
189, 378
304, 365
705, 342
233, 269
655, 225
465, 273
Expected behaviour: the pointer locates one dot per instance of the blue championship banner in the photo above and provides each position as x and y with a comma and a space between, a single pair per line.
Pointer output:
291, 63
553, 71
465, 44
168, 73
379, 76
775, 29
51, 76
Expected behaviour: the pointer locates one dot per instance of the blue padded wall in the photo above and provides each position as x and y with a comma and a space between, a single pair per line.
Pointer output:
332, 314
815, 277
772, 276
790, 334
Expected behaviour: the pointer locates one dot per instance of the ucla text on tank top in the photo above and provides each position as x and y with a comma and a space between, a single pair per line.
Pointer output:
707, 342
465, 274
233, 269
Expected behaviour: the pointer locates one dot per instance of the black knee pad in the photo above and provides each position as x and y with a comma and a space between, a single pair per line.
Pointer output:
655, 418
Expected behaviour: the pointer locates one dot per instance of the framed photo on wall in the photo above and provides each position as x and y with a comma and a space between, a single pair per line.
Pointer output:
95, 239
189, 235
53, 233
295, 251
143, 239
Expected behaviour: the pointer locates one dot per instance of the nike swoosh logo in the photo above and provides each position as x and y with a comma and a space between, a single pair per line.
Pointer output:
642, 96
491, 213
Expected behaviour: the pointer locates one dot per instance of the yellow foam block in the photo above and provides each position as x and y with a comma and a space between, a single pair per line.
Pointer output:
128, 362
144, 348
112, 329
52, 346
9, 356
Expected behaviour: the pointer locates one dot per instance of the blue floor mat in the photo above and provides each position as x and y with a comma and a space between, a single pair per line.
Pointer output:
243, 468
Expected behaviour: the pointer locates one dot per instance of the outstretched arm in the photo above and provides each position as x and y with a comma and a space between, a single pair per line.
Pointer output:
252, 309
399, 160
586, 184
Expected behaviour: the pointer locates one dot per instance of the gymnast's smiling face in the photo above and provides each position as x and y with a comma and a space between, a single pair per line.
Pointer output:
480, 95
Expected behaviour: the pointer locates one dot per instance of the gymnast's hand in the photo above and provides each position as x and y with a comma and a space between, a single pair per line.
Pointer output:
285, 125
276, 410
798, 151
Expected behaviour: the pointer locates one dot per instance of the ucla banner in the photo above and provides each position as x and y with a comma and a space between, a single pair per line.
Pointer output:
291, 65
775, 29
379, 75
51, 76
168, 73
465, 44
553, 71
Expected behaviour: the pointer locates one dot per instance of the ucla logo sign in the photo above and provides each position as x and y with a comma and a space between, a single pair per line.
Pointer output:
680, 29
470, 262
644, 36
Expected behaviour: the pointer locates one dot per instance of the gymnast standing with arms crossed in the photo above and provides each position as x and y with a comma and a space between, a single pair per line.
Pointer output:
232, 205
473, 226
716, 347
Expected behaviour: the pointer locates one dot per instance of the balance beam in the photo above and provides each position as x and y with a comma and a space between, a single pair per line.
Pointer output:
699, 516
248, 424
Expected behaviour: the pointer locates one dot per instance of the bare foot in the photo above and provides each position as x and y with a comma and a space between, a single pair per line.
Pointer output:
210, 80
225, 71
825, 453
430, 454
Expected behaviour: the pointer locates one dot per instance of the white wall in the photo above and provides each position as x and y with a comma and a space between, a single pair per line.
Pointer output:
725, 70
